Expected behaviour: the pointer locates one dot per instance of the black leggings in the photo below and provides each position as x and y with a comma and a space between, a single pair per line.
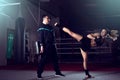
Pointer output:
85, 44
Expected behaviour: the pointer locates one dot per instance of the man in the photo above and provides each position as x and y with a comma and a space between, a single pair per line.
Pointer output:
47, 47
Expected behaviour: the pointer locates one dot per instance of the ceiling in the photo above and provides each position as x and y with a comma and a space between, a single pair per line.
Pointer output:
91, 13
84, 13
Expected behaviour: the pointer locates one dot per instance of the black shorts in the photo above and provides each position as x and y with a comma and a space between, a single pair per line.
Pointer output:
85, 44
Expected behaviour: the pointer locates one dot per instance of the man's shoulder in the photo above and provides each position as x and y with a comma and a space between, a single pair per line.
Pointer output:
41, 26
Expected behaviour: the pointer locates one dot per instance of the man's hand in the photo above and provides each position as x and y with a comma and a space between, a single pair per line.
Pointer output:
41, 49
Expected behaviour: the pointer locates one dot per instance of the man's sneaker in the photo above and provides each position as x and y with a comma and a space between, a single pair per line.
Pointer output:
59, 75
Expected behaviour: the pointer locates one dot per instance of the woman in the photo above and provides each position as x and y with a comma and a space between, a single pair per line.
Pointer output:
93, 39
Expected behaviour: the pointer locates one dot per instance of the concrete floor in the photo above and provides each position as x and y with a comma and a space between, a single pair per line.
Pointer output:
49, 75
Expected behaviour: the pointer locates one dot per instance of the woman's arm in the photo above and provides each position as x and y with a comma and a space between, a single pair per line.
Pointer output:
93, 35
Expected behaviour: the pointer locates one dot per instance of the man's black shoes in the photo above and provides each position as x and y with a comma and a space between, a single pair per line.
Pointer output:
39, 77
60, 74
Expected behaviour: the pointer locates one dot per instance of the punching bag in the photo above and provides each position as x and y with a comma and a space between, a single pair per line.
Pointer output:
19, 40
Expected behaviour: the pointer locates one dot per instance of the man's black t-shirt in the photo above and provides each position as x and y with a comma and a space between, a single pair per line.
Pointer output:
46, 35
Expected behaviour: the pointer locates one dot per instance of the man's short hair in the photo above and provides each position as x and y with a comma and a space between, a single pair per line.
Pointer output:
43, 16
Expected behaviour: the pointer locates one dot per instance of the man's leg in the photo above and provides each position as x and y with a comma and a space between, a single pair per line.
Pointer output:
41, 65
55, 62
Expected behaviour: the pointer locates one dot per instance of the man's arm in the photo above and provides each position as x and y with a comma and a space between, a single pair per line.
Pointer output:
41, 40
